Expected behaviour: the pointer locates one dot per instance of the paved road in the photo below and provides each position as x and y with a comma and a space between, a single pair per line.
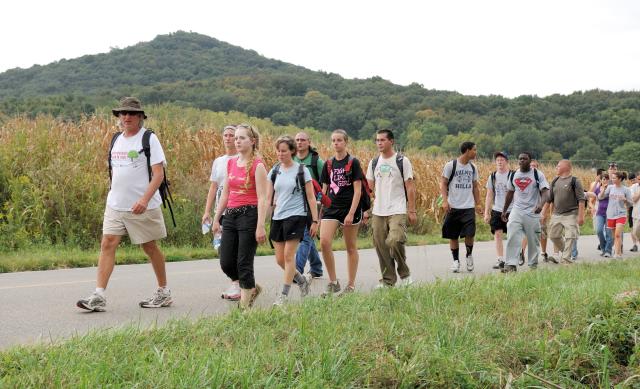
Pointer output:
40, 306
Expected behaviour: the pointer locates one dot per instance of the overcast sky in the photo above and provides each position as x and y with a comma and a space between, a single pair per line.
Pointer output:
473, 47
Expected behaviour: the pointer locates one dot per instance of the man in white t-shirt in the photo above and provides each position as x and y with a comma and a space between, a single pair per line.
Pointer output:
218, 174
133, 205
390, 214
460, 196
529, 191
635, 212
494, 202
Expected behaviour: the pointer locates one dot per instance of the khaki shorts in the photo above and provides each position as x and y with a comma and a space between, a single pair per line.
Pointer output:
141, 228
543, 229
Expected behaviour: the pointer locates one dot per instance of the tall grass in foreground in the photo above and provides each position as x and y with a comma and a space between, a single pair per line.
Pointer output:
53, 174
565, 327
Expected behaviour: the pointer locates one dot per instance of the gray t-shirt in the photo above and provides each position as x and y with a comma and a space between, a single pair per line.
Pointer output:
461, 185
288, 197
500, 190
526, 194
617, 201
565, 197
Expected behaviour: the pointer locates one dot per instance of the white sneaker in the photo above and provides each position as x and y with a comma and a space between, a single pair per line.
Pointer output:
161, 298
304, 288
455, 267
407, 281
232, 293
607, 255
95, 302
382, 285
470, 263
281, 300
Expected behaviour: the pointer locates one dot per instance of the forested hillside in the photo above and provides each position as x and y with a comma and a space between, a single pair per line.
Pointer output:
189, 69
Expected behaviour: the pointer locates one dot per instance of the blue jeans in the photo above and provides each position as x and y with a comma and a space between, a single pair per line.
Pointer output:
574, 250
307, 250
605, 236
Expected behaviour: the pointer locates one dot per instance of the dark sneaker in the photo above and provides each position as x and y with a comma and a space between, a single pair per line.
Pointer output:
552, 259
545, 257
316, 275
346, 291
634, 248
509, 269
521, 258
161, 298
95, 302
331, 289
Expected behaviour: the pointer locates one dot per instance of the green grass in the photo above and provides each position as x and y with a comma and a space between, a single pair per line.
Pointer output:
564, 326
40, 257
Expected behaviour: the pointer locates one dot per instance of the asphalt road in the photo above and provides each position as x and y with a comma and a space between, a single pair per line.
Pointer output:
40, 306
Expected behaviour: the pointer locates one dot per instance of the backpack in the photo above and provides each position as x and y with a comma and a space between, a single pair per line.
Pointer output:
300, 185
365, 195
400, 163
493, 181
314, 162
573, 189
453, 172
165, 194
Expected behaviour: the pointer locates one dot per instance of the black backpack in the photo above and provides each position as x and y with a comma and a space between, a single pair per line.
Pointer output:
493, 181
400, 163
314, 162
365, 194
453, 172
165, 194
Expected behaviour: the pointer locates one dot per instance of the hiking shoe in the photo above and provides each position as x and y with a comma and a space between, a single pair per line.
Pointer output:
232, 293
316, 275
509, 269
407, 281
161, 298
346, 291
521, 258
499, 264
281, 300
304, 288
607, 255
331, 289
95, 302
469, 263
455, 267
634, 248
383, 285
552, 259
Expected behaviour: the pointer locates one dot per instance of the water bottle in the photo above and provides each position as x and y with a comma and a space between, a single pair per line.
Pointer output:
206, 227
217, 239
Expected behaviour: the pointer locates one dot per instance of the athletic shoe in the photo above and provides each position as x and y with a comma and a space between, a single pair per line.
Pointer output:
509, 269
254, 295
346, 291
455, 267
570, 261
545, 257
607, 255
634, 248
470, 263
499, 264
331, 289
599, 248
407, 281
552, 259
304, 288
232, 293
574, 259
521, 258
316, 275
95, 302
161, 298
382, 285
281, 300
602, 254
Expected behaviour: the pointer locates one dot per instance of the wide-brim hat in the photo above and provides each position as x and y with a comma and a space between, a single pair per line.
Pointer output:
129, 104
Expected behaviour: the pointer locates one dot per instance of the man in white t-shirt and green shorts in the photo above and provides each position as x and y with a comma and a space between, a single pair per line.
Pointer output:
133, 205
390, 177
460, 196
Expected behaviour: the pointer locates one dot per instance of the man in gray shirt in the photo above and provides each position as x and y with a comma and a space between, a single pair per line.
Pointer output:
566, 199
529, 190
460, 194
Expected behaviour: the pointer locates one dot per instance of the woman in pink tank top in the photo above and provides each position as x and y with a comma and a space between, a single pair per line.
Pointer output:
244, 200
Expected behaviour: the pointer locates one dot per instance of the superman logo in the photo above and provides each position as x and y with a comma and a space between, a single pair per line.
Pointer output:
523, 183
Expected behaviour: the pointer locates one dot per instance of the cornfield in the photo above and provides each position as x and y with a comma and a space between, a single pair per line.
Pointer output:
54, 181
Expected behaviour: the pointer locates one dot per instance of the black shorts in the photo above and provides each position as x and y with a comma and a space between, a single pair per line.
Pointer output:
291, 228
496, 222
459, 223
629, 217
339, 215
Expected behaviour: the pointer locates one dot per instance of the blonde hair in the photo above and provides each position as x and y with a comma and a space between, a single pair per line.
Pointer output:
286, 139
342, 132
255, 136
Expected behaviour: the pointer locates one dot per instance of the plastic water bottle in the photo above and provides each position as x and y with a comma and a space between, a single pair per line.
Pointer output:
206, 227
217, 239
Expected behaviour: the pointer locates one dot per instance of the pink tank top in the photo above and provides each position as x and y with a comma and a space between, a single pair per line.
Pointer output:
240, 193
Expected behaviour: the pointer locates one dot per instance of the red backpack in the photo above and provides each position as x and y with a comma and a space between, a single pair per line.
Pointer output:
365, 196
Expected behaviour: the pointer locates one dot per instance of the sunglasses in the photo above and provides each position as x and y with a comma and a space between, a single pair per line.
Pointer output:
130, 113
613, 164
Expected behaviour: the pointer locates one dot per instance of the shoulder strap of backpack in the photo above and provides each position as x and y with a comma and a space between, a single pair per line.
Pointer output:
274, 174
553, 184
453, 172
113, 142
146, 149
314, 163
374, 163
302, 185
400, 163
537, 177
347, 168
492, 178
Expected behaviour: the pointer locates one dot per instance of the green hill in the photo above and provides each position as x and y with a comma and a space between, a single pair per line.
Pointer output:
189, 69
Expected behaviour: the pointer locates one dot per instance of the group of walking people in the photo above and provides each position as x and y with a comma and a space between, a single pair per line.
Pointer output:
309, 197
